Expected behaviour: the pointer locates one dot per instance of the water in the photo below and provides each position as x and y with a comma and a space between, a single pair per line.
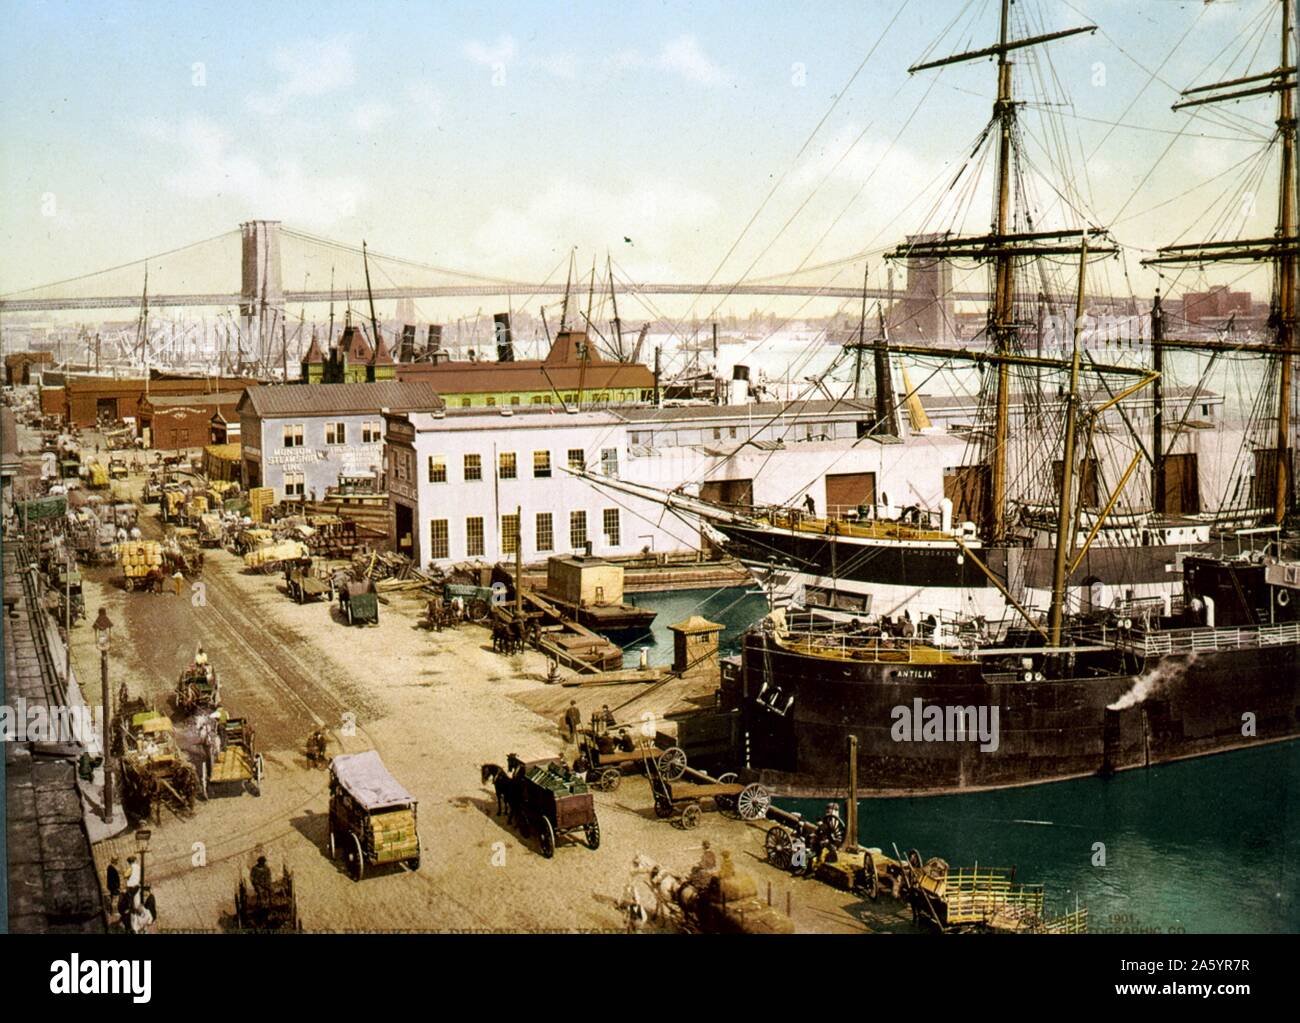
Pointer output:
1207, 845
736, 608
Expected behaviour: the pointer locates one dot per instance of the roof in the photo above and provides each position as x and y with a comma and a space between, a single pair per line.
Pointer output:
696, 624
314, 354
527, 375
218, 398
752, 411
163, 385
565, 350
380, 356
324, 399
368, 781
354, 345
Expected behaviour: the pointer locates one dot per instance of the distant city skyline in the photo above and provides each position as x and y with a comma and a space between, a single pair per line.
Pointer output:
690, 142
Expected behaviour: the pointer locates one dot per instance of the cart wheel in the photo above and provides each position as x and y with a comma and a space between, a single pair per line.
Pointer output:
609, 779
672, 763
869, 884
779, 847
663, 808
753, 801
691, 816
414, 862
259, 771
593, 834
203, 778
357, 864
836, 830
727, 804
546, 834
334, 846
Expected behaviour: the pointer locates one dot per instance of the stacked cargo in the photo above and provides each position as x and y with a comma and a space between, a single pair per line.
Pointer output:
139, 558
270, 557
259, 500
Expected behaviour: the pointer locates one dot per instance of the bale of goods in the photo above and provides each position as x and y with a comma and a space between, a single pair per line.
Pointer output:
196, 506
138, 557
260, 500
272, 554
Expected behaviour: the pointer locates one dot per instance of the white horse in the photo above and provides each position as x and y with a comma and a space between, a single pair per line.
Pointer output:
665, 887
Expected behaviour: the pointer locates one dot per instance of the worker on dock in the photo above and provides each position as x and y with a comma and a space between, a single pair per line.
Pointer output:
260, 875
573, 720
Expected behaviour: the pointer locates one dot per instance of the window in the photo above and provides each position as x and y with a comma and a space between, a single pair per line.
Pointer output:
438, 547
541, 465
545, 532
437, 469
473, 468
731, 432
293, 436
577, 458
293, 484
536, 399
577, 529
465, 402
336, 433
509, 534
717, 433
491, 400
611, 527
474, 537
514, 399
372, 433
506, 466
609, 462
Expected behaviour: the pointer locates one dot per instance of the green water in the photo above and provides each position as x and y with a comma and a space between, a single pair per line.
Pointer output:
1207, 845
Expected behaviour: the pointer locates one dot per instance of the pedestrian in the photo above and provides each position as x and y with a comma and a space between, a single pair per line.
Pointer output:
114, 878
809, 504
141, 918
150, 903
178, 579
134, 877
124, 911
572, 719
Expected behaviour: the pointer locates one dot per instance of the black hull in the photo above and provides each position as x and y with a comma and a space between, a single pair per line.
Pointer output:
1046, 731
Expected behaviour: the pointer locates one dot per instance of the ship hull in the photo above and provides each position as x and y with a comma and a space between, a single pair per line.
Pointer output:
1188, 706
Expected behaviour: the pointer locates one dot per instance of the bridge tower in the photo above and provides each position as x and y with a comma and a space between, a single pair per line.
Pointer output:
261, 290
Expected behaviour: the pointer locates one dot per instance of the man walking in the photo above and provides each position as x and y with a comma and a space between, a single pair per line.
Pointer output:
572, 720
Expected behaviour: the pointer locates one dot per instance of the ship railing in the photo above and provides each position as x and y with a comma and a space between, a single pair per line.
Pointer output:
1070, 923
1183, 641
880, 648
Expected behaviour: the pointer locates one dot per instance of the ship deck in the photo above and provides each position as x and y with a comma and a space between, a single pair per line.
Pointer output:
873, 529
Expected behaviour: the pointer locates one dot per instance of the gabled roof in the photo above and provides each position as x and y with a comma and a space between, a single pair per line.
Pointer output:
354, 346
566, 349
341, 399
380, 357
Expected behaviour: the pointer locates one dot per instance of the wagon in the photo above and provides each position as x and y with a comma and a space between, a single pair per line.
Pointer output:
153, 768
360, 602
555, 802
605, 767
117, 469
302, 585
198, 689
274, 910
477, 600
372, 818
232, 762
682, 799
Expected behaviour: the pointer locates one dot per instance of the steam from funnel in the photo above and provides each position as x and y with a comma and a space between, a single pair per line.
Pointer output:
1149, 685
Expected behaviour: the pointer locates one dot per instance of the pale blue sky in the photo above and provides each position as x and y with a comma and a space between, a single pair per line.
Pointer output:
666, 122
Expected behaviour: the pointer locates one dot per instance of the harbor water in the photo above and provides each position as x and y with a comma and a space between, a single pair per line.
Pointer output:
1200, 846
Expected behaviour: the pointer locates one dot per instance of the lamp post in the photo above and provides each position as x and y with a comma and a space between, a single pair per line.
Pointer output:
103, 629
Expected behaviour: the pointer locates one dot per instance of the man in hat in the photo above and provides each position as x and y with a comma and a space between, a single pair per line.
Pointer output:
573, 719
260, 875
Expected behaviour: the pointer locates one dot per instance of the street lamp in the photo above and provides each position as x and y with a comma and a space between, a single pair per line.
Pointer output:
103, 630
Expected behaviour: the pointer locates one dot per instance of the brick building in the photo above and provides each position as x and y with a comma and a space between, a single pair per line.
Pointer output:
171, 422
86, 400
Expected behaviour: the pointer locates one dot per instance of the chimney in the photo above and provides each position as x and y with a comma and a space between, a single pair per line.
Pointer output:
434, 345
504, 338
407, 352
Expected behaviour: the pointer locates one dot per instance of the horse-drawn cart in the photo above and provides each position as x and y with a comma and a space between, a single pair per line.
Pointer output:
604, 758
198, 689
359, 601
554, 802
269, 903
302, 584
372, 818
232, 761
153, 768
682, 799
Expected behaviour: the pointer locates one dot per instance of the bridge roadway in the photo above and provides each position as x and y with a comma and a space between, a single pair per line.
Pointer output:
17, 305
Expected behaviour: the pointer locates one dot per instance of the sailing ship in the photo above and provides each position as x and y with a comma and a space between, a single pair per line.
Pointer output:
964, 705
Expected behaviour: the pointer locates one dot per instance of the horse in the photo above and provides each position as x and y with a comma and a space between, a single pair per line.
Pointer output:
665, 887
505, 781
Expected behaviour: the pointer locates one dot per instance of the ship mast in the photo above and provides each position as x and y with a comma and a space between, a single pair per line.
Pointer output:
1280, 249
1003, 247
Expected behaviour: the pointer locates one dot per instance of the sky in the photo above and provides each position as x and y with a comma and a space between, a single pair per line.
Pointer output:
689, 141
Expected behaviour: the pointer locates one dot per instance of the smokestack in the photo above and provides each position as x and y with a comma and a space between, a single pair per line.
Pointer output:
505, 341
407, 352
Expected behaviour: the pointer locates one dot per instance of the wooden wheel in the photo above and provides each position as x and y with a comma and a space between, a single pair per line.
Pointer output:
869, 880
608, 779
835, 830
663, 807
672, 763
779, 847
593, 834
691, 816
546, 834
727, 804
356, 861
753, 801
334, 845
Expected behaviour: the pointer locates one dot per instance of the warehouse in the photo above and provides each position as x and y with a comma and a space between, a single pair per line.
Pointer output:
175, 422
304, 441
87, 400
